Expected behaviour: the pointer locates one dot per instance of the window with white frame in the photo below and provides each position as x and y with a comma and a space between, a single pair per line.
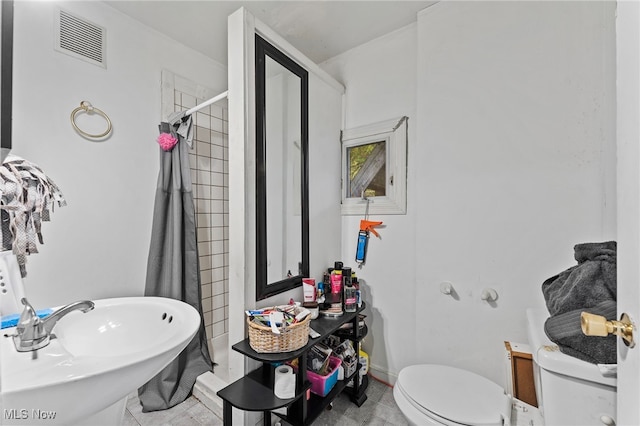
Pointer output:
374, 168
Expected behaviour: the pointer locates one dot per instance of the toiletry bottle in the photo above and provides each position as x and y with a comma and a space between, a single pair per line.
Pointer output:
350, 300
356, 285
326, 281
336, 282
348, 275
336, 289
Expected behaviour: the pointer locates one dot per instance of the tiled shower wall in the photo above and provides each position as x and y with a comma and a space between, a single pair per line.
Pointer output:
209, 160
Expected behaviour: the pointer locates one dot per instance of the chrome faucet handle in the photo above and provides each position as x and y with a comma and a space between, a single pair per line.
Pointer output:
30, 331
28, 317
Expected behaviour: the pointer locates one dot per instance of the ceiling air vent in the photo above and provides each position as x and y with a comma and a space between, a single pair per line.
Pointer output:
80, 38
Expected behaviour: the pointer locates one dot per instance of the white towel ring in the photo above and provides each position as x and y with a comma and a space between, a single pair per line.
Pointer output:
90, 109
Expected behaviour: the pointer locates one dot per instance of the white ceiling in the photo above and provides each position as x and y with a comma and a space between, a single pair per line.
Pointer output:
319, 29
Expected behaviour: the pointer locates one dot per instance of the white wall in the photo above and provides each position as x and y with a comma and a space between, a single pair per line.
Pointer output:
511, 163
380, 81
97, 246
324, 175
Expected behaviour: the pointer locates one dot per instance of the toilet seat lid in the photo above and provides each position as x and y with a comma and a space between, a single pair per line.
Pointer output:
456, 395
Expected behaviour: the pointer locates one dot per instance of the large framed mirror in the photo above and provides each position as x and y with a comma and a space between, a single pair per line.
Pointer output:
6, 76
282, 198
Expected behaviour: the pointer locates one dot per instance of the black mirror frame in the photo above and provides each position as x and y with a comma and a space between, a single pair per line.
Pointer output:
265, 289
6, 77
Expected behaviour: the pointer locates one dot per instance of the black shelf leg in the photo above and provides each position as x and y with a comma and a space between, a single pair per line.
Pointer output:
298, 410
359, 399
226, 414
266, 418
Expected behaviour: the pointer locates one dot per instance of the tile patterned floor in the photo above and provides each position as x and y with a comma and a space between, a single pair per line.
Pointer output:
190, 413
379, 409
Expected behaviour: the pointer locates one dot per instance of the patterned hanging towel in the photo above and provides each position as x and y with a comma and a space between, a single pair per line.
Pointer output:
27, 196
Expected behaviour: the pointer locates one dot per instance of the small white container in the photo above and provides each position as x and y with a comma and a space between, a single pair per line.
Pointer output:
313, 308
309, 289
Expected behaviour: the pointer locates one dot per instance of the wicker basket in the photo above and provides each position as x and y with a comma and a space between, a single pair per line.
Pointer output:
263, 340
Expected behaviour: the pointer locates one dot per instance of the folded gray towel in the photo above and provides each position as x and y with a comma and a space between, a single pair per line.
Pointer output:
586, 284
589, 286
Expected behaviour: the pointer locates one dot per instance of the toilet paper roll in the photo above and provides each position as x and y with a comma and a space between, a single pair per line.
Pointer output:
284, 382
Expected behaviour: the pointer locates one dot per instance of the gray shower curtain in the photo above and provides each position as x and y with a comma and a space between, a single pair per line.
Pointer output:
173, 268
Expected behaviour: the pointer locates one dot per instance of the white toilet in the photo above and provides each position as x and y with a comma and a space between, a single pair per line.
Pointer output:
569, 391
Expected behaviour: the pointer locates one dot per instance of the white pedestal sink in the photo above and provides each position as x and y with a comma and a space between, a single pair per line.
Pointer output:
96, 360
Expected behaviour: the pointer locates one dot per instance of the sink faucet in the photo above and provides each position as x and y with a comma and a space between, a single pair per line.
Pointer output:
33, 333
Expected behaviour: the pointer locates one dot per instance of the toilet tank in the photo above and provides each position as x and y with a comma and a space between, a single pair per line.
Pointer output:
570, 391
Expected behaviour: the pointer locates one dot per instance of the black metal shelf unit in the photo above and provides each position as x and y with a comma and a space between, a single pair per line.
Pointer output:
254, 392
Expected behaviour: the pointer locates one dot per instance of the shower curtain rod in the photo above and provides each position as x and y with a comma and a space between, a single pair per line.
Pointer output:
207, 103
